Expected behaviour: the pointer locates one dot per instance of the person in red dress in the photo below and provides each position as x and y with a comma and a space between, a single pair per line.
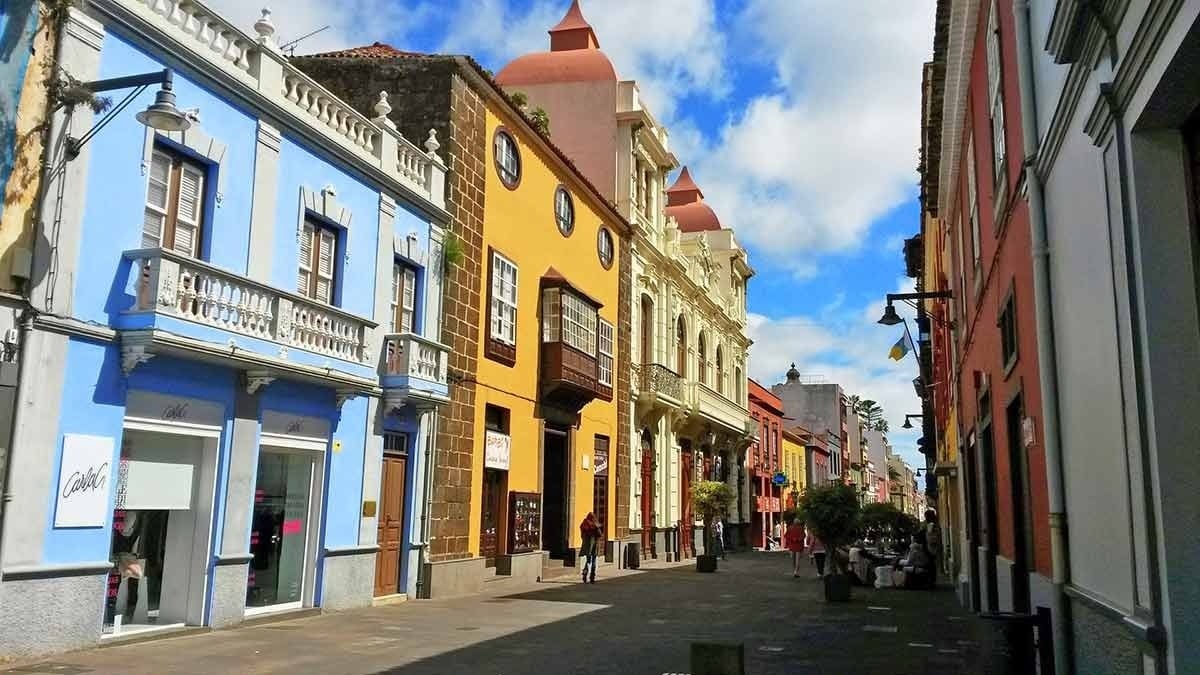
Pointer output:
793, 539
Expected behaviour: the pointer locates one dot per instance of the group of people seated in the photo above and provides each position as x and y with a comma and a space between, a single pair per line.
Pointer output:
917, 568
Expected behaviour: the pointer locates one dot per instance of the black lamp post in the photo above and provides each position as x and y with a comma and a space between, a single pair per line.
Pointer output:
891, 318
162, 114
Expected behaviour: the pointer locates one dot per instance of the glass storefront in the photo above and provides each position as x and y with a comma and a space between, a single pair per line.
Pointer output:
154, 529
279, 530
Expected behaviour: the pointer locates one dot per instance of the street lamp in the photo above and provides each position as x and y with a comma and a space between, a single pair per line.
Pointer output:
908, 421
891, 318
162, 115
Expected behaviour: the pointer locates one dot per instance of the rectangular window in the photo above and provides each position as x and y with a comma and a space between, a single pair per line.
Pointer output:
578, 323
174, 212
503, 318
995, 92
318, 248
1008, 334
973, 204
404, 297
605, 362
395, 443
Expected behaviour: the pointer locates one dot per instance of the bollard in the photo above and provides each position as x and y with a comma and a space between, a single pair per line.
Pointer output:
718, 658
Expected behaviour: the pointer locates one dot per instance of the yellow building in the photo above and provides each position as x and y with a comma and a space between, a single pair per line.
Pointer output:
546, 378
793, 466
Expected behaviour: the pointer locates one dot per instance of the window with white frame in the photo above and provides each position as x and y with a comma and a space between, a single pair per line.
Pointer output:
995, 92
973, 205
578, 323
404, 297
551, 315
318, 248
605, 360
174, 204
504, 300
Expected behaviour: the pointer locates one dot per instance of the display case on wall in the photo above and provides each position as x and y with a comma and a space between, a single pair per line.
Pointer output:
524, 522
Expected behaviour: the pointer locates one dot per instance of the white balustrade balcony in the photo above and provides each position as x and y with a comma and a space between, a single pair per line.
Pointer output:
173, 285
717, 408
415, 370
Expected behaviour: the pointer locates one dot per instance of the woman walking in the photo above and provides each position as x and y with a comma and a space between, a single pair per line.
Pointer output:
816, 548
589, 531
794, 540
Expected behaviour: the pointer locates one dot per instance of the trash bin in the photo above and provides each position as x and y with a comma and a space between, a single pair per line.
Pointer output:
1011, 645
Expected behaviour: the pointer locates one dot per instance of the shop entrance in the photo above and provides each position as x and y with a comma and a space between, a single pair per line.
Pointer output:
493, 504
555, 492
161, 530
393, 476
283, 532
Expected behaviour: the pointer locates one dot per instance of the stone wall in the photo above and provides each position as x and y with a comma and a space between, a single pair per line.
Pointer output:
624, 358
425, 93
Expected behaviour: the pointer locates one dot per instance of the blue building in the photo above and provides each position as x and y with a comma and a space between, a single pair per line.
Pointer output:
229, 385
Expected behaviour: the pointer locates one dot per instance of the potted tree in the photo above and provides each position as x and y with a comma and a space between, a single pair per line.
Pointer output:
832, 513
710, 498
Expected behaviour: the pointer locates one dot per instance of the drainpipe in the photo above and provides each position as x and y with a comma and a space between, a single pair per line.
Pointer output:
1047, 355
25, 328
430, 460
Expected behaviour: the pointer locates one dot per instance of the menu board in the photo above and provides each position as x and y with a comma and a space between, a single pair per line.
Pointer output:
525, 522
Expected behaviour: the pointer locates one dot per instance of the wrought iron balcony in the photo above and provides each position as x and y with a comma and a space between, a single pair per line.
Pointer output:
173, 285
660, 383
415, 371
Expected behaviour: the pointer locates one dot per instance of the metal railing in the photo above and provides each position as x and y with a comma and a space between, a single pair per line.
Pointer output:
659, 379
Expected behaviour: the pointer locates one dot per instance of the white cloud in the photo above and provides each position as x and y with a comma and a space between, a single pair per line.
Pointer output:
808, 166
671, 47
844, 345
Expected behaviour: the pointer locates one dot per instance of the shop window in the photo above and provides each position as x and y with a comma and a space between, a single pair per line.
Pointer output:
404, 298
318, 261
174, 211
279, 531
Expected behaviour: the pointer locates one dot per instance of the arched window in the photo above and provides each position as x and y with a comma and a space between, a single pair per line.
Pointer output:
701, 358
681, 347
737, 385
647, 330
720, 371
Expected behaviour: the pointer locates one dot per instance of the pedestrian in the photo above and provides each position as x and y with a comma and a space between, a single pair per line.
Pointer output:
589, 531
719, 538
794, 540
816, 549
933, 539
776, 538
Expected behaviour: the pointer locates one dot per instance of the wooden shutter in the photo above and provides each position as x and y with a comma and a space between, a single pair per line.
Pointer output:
304, 280
326, 244
158, 190
187, 210
408, 299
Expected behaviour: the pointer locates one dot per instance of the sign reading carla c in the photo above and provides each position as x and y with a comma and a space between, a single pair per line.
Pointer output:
83, 481
497, 447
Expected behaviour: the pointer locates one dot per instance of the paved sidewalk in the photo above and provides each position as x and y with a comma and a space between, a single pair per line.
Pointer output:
631, 623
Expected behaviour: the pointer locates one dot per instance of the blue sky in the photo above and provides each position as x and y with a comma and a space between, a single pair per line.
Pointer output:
798, 118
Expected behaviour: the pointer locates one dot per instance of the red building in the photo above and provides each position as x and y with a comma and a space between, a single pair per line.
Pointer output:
983, 339
763, 458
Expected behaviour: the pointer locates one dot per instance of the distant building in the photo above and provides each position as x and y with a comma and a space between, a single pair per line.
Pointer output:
821, 409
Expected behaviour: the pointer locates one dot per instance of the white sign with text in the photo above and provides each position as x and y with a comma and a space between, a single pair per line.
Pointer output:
83, 481
497, 447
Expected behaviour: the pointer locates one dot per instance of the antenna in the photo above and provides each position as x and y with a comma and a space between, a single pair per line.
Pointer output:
290, 47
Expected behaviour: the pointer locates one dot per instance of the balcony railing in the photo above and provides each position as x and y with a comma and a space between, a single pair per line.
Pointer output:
719, 408
192, 290
661, 380
413, 356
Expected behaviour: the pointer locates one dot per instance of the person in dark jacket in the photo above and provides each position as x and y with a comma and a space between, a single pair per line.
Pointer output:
589, 531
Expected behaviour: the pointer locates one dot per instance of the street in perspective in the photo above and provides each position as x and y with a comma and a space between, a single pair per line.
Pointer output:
706, 337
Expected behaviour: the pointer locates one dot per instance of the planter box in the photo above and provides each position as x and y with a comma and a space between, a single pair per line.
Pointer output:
837, 588
706, 563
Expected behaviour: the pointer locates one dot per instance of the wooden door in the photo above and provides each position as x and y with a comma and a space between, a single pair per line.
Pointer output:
648, 500
489, 530
687, 522
391, 525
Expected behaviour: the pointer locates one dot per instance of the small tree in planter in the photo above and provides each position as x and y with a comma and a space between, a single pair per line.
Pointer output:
710, 498
832, 513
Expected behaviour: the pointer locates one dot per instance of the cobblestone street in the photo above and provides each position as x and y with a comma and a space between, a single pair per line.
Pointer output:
633, 624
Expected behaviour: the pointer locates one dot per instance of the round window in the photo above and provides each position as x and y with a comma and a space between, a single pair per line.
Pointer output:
564, 211
508, 159
604, 246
